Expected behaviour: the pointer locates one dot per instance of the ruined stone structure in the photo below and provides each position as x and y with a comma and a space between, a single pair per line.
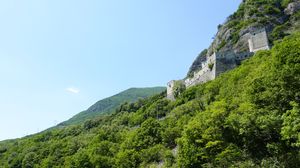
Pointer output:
220, 62
216, 64
170, 87
207, 73
258, 41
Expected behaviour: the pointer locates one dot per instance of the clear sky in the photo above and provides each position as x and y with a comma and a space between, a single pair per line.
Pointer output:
58, 57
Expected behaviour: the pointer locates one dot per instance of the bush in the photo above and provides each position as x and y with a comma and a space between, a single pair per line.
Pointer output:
179, 87
284, 3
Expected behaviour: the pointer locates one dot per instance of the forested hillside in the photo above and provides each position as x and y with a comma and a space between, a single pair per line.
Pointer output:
246, 117
110, 104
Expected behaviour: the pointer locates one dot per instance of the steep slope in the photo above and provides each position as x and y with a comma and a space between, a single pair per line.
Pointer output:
110, 104
278, 17
248, 117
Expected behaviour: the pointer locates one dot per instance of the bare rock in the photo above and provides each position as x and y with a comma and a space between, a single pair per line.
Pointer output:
292, 8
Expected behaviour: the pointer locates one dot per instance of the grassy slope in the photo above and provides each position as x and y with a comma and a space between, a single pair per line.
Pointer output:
110, 104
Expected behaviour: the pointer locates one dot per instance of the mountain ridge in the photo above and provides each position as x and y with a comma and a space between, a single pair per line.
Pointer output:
108, 105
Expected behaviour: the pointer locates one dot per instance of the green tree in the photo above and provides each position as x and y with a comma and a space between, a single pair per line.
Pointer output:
127, 158
148, 134
29, 160
179, 88
81, 160
291, 125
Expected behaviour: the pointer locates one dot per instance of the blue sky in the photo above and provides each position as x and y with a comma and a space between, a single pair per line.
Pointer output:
58, 57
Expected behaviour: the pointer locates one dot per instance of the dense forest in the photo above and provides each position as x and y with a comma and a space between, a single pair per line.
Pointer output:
247, 117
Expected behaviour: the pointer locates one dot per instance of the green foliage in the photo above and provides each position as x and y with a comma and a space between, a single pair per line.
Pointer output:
80, 160
179, 87
279, 32
285, 3
127, 158
250, 121
148, 134
272, 10
291, 125
29, 160
158, 109
211, 66
222, 44
110, 104
255, 13
247, 117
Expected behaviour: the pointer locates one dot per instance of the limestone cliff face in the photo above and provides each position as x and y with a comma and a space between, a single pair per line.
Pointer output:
275, 16
197, 64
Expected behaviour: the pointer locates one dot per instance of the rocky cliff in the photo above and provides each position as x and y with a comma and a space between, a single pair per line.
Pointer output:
278, 17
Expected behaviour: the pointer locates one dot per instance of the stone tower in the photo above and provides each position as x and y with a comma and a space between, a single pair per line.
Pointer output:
170, 93
258, 41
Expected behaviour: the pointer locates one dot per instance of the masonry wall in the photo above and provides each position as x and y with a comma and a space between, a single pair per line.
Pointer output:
207, 73
258, 41
170, 86
225, 61
219, 63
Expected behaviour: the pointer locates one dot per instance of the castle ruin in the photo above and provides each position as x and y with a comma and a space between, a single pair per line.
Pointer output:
170, 87
220, 62
258, 41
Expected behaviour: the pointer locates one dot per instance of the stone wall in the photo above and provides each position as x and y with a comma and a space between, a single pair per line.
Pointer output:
207, 73
220, 62
225, 61
170, 87
215, 64
258, 41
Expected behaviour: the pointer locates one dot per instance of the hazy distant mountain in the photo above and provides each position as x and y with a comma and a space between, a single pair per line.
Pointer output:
109, 105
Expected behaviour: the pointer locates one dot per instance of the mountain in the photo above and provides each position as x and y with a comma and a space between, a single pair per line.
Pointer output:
278, 17
110, 104
246, 117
